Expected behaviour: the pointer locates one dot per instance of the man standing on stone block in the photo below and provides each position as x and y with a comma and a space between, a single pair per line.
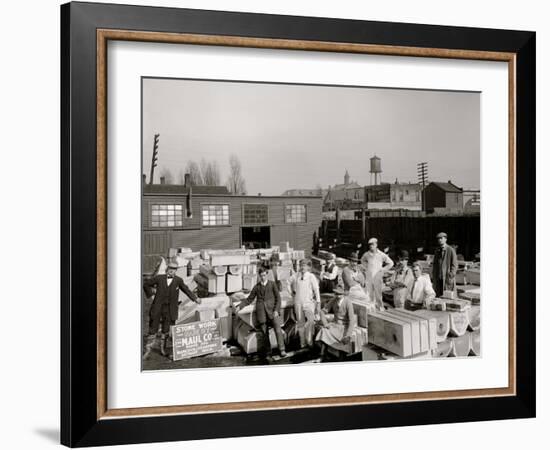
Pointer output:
268, 313
444, 266
164, 309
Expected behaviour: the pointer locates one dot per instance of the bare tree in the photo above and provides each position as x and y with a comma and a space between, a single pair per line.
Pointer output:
194, 171
168, 177
181, 176
210, 173
235, 182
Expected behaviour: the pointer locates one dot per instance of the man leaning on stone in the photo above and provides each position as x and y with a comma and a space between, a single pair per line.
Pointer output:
164, 309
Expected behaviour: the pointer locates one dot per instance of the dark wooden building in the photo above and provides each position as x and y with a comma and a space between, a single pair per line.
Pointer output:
443, 198
203, 217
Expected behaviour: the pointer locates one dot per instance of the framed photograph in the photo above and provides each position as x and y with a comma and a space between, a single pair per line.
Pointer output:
317, 223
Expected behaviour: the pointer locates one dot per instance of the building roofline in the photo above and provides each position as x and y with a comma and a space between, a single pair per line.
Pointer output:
257, 197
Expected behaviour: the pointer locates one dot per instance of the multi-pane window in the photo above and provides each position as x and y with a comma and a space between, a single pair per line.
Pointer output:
166, 215
295, 213
215, 215
255, 213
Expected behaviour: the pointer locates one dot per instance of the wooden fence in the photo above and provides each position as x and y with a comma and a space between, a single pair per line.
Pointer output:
414, 234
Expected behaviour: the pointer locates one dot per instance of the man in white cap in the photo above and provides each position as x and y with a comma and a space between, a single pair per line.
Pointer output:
307, 301
164, 309
375, 263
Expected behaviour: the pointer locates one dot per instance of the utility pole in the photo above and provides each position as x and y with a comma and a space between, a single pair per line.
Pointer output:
155, 157
422, 170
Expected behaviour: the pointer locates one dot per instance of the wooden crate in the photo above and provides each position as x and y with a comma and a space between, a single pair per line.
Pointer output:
424, 338
390, 333
442, 322
416, 338
430, 326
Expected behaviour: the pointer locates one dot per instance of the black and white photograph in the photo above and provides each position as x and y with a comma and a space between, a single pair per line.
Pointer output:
308, 224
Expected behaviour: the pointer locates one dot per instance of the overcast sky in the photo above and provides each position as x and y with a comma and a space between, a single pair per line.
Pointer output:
295, 136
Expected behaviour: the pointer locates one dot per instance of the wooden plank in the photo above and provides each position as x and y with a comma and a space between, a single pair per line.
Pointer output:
442, 322
390, 333
416, 338
474, 318
423, 326
460, 346
458, 323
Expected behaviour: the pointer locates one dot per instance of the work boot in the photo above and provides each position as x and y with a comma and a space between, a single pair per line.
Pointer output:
149, 344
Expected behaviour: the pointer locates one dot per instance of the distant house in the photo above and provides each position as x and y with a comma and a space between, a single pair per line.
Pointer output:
381, 196
443, 198
317, 192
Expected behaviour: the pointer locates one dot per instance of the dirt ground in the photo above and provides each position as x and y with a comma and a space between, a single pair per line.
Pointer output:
156, 361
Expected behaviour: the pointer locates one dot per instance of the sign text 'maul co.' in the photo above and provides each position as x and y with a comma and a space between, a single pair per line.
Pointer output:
195, 339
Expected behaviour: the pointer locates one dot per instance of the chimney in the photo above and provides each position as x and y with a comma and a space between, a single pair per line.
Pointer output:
162, 180
187, 180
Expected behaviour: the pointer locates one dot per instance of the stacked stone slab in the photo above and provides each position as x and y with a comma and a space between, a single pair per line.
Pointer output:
450, 328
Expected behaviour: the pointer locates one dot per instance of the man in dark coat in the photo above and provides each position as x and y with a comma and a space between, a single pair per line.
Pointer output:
444, 266
164, 309
268, 311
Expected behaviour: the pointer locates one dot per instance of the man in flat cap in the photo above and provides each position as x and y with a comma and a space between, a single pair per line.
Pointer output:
375, 264
351, 275
401, 280
164, 309
444, 266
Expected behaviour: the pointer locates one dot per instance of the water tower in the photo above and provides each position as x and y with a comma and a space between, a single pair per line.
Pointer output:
376, 169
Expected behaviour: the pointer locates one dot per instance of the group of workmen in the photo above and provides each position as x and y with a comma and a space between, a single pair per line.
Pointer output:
370, 274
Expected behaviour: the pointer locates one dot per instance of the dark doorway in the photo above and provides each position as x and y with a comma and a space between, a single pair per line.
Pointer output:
256, 237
